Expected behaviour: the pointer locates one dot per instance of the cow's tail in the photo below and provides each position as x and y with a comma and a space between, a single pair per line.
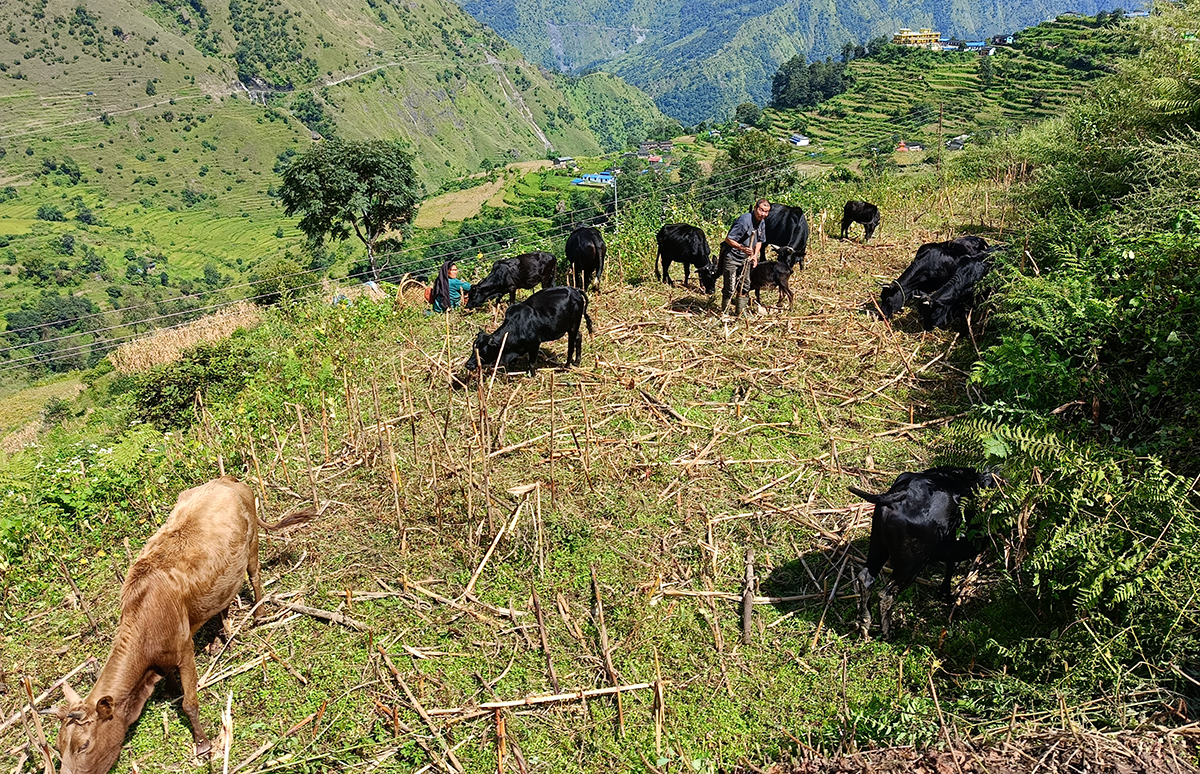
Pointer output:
658, 263
587, 319
879, 499
299, 517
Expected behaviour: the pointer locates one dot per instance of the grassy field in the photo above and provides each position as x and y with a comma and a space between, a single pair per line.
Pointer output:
684, 441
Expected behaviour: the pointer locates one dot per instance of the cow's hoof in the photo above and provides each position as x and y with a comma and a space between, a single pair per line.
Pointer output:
204, 749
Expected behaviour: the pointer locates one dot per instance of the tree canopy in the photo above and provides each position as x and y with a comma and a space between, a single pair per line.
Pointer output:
799, 84
368, 186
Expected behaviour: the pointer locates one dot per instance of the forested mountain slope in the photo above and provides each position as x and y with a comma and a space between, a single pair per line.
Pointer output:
700, 58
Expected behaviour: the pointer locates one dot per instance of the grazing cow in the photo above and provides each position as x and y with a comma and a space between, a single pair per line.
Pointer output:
787, 229
188, 571
521, 272
585, 253
547, 315
860, 212
775, 274
682, 243
953, 299
915, 522
933, 266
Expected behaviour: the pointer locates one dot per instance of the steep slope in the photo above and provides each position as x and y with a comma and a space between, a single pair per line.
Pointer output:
140, 141
700, 58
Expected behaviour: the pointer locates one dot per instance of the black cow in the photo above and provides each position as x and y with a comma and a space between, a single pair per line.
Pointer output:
521, 272
585, 252
933, 266
915, 522
682, 243
953, 299
787, 229
547, 315
775, 274
860, 212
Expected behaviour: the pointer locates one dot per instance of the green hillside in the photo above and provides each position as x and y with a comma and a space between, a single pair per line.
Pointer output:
925, 97
140, 144
699, 60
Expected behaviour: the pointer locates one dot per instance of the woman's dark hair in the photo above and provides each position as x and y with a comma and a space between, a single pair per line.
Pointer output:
441, 287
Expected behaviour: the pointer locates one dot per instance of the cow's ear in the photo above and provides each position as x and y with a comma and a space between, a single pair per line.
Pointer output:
104, 708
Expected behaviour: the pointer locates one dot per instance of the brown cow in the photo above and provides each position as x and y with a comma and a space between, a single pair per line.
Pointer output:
190, 570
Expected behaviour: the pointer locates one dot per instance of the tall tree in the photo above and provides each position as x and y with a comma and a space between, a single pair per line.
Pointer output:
338, 185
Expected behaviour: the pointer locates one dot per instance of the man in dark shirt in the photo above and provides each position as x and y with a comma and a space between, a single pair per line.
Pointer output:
740, 254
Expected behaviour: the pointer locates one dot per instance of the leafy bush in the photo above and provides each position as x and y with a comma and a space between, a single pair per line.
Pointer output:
166, 396
1103, 545
50, 212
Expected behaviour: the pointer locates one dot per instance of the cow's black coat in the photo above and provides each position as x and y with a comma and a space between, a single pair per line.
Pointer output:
585, 252
774, 274
953, 299
933, 266
787, 229
686, 244
860, 212
915, 522
547, 315
521, 272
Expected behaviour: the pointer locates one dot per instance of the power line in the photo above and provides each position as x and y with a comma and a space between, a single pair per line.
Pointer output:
727, 184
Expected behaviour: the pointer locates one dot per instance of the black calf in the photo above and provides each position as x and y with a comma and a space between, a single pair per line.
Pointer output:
521, 272
686, 244
933, 266
915, 522
860, 212
585, 252
953, 299
776, 274
547, 315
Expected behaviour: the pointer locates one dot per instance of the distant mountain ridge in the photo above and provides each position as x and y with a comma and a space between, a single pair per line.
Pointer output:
700, 58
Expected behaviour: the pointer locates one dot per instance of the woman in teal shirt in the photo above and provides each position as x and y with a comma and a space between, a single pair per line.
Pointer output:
449, 292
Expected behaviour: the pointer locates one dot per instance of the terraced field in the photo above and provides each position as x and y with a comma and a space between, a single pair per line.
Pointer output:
924, 96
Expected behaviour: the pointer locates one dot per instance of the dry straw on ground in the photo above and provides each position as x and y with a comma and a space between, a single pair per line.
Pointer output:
168, 344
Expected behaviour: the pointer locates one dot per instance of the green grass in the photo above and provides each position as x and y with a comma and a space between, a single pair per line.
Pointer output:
617, 495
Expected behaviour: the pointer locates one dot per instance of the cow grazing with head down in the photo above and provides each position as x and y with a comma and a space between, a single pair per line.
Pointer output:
776, 274
787, 229
933, 266
953, 299
860, 212
547, 315
686, 244
188, 571
915, 522
521, 272
585, 252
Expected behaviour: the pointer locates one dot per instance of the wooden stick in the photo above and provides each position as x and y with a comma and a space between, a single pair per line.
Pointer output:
516, 514
312, 479
738, 597
606, 651
499, 742
46, 694
92, 625
530, 701
420, 710
337, 618
268, 745
395, 481
541, 621
208, 682
279, 449
748, 597
40, 735
660, 706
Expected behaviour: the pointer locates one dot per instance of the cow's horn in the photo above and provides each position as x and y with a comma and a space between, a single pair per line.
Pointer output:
70, 694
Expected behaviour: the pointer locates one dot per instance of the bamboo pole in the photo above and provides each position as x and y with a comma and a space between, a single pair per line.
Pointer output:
531, 701
312, 479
